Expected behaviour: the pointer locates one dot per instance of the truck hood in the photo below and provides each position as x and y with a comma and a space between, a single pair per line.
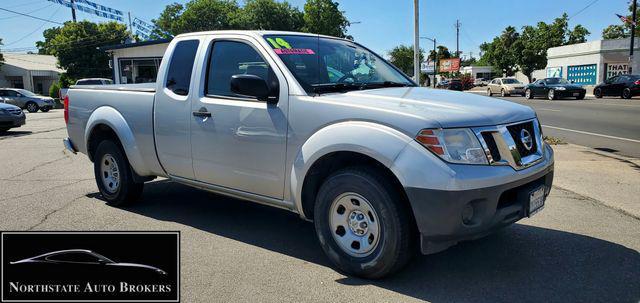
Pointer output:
447, 108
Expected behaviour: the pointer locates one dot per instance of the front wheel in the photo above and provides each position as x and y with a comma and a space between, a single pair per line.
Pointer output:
489, 93
32, 107
597, 93
362, 225
114, 175
551, 95
527, 94
4, 129
45, 109
503, 93
626, 93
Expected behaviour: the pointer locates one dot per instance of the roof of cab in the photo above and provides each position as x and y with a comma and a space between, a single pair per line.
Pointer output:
255, 33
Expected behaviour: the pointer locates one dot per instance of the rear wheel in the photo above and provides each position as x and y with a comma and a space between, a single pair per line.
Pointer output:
597, 93
361, 224
626, 93
114, 175
32, 107
45, 109
551, 95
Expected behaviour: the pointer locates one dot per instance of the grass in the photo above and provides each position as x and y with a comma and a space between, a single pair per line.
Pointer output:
553, 140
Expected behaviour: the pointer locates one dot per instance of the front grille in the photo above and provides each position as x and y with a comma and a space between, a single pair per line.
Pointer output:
515, 131
491, 145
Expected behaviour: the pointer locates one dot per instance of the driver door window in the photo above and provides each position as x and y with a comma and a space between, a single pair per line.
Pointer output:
230, 58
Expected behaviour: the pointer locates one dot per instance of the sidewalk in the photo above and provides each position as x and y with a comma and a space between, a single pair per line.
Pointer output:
609, 179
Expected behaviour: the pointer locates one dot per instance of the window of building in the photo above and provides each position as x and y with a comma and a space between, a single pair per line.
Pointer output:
139, 70
182, 60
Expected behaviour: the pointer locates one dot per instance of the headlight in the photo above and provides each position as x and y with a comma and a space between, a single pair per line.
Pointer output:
3, 111
560, 88
458, 145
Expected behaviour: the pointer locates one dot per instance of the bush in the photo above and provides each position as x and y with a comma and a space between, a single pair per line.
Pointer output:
54, 90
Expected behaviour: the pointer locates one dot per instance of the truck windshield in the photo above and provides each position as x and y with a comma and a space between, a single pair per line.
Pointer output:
332, 65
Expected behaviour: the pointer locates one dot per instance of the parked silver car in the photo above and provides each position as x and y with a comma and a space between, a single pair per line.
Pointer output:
26, 100
10, 116
505, 87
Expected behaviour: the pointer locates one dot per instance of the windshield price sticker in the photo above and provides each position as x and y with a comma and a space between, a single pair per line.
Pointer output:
294, 51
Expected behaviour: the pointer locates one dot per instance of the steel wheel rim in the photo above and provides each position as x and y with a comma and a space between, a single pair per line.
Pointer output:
626, 93
527, 94
502, 93
31, 107
551, 93
355, 225
110, 173
489, 92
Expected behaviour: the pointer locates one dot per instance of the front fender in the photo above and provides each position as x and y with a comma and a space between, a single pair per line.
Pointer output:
377, 141
111, 117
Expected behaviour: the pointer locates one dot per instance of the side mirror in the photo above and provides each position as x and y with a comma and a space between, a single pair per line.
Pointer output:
18, 95
542, 84
250, 85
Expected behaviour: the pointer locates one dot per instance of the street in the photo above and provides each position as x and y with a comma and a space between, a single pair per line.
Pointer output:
575, 250
608, 124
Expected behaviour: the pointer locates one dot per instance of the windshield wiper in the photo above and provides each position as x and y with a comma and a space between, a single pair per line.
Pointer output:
334, 87
383, 84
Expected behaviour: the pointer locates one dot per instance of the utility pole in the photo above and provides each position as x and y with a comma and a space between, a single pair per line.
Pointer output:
457, 25
130, 26
73, 10
416, 43
633, 34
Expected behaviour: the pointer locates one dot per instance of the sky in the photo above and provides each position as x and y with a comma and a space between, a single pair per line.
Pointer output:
380, 25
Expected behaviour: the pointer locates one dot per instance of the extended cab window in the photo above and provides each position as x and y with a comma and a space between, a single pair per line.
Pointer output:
180, 67
230, 58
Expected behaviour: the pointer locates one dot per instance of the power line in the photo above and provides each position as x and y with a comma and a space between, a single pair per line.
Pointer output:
583, 9
33, 11
27, 15
35, 30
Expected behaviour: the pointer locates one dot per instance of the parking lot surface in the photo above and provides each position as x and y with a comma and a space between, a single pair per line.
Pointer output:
575, 250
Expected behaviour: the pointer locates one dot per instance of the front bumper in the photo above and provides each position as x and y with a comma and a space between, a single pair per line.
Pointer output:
516, 91
570, 93
12, 120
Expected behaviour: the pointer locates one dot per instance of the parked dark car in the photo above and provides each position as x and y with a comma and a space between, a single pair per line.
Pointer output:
10, 116
452, 84
554, 88
625, 86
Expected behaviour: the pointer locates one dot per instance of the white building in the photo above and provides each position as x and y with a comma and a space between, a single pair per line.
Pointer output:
484, 72
592, 62
136, 62
29, 71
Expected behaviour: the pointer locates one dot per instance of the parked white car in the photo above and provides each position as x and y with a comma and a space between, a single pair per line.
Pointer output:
505, 87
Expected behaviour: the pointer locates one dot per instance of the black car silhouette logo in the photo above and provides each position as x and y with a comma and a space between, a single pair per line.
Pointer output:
83, 257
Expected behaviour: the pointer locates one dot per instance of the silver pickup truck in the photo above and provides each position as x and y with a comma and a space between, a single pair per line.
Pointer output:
322, 127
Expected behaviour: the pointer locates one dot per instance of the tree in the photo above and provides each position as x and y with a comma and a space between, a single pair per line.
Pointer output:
402, 57
166, 24
325, 18
616, 32
75, 45
503, 51
270, 15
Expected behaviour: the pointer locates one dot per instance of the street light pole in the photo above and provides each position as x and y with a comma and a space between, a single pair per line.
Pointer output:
633, 34
416, 43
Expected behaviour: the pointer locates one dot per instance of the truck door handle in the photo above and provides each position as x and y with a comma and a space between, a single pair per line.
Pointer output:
202, 114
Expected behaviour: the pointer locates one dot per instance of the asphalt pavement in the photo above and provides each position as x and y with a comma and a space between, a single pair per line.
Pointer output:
575, 250
607, 124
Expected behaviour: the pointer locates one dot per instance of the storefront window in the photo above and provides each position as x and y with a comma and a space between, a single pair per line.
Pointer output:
143, 70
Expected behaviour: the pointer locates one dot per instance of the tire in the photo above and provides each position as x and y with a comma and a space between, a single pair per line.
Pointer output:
502, 93
528, 94
377, 205
32, 107
45, 109
489, 93
626, 93
597, 93
551, 94
4, 129
117, 189
580, 97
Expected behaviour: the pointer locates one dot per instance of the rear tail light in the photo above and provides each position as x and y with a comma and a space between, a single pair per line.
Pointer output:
66, 109
637, 82
430, 140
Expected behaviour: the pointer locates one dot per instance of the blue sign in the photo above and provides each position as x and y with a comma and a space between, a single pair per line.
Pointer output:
582, 74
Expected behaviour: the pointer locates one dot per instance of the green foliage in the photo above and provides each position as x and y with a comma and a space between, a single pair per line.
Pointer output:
65, 81
54, 90
319, 16
443, 53
76, 44
325, 18
402, 57
527, 51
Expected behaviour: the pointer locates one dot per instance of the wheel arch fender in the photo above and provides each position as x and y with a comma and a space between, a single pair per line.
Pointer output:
109, 116
376, 141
